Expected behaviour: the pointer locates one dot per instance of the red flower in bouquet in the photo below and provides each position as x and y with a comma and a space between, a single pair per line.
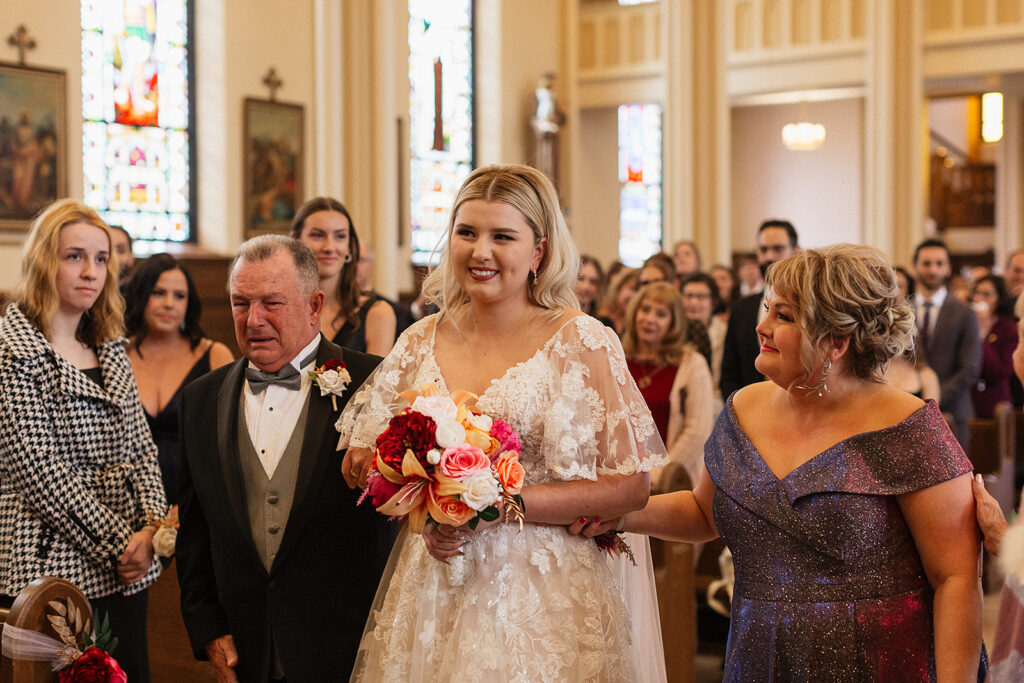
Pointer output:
406, 431
379, 489
94, 666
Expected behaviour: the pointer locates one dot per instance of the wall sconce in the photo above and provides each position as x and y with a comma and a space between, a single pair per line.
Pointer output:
992, 117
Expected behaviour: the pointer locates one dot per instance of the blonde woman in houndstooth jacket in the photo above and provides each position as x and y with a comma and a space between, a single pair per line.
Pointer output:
79, 479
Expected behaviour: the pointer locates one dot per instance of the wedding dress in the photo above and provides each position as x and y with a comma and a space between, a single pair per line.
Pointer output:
531, 605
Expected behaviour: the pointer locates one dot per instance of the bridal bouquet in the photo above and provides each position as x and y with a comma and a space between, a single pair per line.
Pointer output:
440, 459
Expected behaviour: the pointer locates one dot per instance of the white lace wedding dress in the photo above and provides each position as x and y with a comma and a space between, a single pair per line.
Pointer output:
531, 605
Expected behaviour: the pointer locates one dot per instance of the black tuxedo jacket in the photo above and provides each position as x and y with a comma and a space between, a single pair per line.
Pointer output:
318, 592
740, 349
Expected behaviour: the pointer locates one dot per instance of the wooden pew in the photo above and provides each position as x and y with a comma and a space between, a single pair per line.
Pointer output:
993, 452
677, 601
29, 611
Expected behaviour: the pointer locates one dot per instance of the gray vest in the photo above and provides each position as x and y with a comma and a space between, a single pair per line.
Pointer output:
269, 499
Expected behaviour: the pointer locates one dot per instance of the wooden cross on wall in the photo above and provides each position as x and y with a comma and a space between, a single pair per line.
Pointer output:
272, 81
20, 40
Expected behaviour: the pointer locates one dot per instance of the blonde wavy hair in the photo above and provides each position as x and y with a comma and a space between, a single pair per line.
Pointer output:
673, 346
845, 291
36, 294
532, 194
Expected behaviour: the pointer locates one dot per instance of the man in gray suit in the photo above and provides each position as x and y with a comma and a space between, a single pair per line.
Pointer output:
948, 333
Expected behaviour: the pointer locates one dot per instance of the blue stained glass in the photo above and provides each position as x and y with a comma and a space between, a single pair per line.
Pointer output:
640, 205
135, 106
440, 116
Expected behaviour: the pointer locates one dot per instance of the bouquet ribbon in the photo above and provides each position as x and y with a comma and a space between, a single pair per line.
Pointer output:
27, 645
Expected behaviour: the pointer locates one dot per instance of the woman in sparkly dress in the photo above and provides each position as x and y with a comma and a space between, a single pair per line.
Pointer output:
846, 503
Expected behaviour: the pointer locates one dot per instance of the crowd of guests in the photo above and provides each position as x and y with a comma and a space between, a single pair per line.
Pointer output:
769, 384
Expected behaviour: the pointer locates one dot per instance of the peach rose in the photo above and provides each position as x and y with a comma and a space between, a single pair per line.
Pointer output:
452, 512
460, 461
484, 441
510, 472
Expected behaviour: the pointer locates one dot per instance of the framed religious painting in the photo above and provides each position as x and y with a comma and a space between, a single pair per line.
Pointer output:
274, 161
33, 148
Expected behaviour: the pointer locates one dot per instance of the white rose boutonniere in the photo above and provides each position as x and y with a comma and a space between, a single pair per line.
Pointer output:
332, 378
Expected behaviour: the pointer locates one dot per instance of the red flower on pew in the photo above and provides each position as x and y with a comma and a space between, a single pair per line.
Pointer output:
94, 666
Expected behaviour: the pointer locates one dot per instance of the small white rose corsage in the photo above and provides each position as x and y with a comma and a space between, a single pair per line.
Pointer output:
332, 378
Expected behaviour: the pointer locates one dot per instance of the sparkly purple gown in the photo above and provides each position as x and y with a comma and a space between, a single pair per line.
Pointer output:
829, 584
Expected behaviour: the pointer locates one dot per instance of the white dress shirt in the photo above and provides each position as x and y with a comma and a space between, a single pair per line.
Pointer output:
271, 415
938, 298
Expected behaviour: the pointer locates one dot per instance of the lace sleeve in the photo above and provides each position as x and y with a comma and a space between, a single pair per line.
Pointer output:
597, 423
370, 409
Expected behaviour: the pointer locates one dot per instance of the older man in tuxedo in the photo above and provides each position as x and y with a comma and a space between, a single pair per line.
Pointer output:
278, 566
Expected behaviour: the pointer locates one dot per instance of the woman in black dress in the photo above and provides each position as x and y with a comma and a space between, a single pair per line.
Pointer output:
354, 319
167, 350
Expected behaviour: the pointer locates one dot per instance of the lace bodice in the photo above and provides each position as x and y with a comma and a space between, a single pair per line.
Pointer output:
536, 604
573, 403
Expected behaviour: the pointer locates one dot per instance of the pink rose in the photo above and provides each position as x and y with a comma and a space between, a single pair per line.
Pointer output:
460, 461
510, 472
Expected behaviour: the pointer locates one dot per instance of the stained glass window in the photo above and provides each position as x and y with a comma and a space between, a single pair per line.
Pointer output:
640, 182
440, 115
135, 106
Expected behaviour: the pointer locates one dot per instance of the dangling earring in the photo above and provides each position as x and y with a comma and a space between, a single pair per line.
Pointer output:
534, 273
821, 388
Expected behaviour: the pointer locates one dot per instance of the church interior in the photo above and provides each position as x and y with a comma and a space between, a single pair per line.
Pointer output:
875, 122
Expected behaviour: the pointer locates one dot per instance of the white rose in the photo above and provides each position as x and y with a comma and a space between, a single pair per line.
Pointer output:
164, 540
436, 407
481, 422
433, 456
481, 490
333, 381
449, 433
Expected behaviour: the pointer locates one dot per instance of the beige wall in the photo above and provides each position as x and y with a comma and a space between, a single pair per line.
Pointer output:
595, 219
821, 192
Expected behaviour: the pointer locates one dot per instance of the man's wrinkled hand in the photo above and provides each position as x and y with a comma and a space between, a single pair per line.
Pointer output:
223, 658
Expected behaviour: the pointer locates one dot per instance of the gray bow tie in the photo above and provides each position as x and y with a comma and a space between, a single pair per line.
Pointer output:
287, 376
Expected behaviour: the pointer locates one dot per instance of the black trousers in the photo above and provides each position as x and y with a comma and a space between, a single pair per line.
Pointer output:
127, 624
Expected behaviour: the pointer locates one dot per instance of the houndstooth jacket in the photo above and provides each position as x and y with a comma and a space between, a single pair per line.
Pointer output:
78, 467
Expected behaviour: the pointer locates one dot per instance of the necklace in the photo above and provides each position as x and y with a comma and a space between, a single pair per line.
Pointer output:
647, 378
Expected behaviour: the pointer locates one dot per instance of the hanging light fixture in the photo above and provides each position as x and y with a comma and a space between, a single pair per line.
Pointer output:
803, 136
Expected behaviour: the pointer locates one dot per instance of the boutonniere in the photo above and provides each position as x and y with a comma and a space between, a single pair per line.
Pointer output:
332, 378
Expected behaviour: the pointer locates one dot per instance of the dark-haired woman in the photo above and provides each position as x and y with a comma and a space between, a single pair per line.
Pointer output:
167, 350
78, 472
998, 342
353, 319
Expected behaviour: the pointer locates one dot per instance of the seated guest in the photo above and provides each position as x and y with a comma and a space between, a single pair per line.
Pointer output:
686, 258
909, 372
80, 479
998, 334
904, 283
657, 268
728, 290
364, 278
167, 350
357, 321
672, 376
617, 300
123, 249
590, 287
700, 298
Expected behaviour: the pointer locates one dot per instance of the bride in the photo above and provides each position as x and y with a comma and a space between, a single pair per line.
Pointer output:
498, 603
